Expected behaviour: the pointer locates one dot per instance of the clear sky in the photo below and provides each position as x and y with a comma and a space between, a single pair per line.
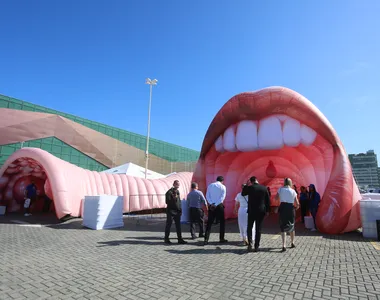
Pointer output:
91, 57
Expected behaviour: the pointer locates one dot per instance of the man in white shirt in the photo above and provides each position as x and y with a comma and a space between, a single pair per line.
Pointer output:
216, 193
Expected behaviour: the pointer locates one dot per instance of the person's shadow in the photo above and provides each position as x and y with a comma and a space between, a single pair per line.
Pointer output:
139, 240
200, 248
217, 250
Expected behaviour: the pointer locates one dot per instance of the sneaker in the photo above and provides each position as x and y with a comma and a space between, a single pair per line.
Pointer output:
27, 215
314, 229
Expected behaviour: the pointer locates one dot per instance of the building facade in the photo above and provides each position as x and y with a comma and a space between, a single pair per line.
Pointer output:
365, 169
85, 143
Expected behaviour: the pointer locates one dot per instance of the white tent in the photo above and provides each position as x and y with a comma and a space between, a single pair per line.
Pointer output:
134, 170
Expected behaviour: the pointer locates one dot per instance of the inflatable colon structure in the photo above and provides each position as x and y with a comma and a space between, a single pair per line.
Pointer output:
68, 184
271, 134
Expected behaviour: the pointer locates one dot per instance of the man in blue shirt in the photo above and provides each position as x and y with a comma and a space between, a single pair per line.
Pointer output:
195, 200
31, 194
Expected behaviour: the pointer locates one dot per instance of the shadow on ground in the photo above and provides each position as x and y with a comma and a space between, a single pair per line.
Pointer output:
156, 224
216, 250
211, 248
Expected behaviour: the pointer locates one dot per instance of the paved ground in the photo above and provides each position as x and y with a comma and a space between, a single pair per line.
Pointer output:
66, 261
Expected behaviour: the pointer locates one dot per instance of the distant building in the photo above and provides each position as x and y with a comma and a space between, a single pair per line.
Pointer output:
365, 169
87, 144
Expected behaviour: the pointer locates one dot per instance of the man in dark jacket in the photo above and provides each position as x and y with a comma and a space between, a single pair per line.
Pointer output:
314, 200
258, 207
173, 212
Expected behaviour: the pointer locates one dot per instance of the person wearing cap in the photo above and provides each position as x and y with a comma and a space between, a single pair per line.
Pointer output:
195, 201
314, 200
215, 195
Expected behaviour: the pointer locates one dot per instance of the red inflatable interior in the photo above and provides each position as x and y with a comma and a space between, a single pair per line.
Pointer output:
16, 178
303, 164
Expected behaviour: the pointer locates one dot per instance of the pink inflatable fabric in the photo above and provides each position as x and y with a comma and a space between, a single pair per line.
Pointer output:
272, 133
67, 184
276, 133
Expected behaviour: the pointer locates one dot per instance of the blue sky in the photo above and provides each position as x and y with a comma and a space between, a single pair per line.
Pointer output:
91, 57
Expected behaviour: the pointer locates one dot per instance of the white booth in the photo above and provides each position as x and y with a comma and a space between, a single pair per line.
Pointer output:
370, 213
103, 212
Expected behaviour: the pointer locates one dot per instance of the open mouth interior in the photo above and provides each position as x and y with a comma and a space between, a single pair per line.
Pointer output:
16, 178
271, 149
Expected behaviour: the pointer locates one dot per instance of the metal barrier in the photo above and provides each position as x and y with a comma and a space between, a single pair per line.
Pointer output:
154, 210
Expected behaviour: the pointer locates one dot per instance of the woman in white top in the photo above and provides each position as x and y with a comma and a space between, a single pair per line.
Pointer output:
288, 197
241, 203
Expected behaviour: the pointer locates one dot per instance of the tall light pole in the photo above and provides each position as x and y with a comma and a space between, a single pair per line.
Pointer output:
151, 83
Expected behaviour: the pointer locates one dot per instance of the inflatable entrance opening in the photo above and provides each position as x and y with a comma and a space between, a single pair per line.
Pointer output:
16, 177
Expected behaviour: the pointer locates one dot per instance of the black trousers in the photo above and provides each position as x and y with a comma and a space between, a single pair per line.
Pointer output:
258, 219
313, 212
212, 214
196, 217
304, 209
169, 220
46, 206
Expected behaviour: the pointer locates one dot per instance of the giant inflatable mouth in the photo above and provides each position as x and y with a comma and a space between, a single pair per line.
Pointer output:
271, 134
276, 133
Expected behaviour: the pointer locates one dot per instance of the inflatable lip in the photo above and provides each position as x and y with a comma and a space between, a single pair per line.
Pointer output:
314, 155
264, 103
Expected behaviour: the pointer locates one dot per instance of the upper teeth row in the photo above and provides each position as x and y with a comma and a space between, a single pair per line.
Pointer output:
267, 134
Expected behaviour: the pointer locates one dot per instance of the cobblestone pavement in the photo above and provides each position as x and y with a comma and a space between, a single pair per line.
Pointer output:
67, 261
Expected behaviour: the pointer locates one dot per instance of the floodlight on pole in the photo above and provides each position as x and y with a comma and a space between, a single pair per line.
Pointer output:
151, 84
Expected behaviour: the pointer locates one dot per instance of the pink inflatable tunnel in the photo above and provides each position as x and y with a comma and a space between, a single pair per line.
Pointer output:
67, 184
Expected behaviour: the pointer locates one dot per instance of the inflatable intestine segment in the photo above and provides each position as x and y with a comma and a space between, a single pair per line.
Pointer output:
67, 184
276, 133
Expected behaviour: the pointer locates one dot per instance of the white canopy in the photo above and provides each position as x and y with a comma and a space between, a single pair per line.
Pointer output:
134, 170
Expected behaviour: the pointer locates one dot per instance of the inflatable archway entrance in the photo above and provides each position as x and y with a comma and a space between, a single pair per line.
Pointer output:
276, 133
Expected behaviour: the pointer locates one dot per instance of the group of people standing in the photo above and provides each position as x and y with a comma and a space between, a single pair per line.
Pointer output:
252, 206
216, 194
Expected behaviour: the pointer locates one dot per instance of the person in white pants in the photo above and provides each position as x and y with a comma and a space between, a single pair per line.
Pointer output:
241, 206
